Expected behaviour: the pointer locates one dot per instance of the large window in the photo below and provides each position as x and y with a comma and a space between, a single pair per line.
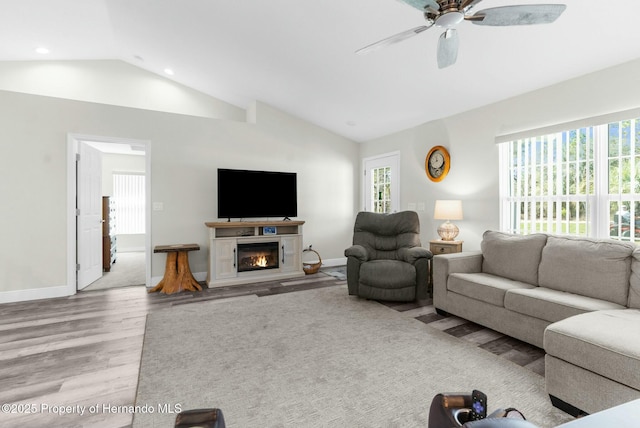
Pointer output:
129, 203
583, 181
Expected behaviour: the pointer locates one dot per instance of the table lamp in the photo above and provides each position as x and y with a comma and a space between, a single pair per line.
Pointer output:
448, 210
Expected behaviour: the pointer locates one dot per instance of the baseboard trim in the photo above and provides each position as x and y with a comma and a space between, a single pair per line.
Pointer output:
334, 262
34, 294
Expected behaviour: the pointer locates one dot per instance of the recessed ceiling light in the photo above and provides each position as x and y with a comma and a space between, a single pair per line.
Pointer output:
42, 50
168, 71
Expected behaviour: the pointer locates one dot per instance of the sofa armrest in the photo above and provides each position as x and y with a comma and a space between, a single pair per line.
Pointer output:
445, 264
464, 262
356, 255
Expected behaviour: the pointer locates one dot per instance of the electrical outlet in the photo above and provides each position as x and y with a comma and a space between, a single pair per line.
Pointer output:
158, 206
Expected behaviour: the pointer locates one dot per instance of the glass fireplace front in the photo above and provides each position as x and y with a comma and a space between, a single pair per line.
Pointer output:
257, 256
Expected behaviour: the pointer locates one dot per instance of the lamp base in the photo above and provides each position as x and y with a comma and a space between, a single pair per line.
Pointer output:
448, 231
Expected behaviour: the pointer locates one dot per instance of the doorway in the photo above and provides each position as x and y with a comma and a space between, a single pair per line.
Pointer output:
93, 160
381, 189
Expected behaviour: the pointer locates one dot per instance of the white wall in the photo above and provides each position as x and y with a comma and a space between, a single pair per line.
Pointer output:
470, 139
112, 82
186, 151
185, 154
113, 162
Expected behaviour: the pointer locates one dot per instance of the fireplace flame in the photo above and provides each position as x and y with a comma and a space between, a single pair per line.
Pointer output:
257, 259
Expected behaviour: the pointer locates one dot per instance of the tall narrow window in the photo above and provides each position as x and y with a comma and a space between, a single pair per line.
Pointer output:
129, 201
381, 183
623, 193
381, 191
582, 181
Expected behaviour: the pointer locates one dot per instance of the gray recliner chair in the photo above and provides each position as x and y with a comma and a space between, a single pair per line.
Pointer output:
386, 260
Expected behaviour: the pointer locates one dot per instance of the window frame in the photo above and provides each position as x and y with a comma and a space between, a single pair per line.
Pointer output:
391, 160
598, 200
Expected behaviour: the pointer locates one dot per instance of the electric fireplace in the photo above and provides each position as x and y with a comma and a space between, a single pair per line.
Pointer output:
257, 256
241, 252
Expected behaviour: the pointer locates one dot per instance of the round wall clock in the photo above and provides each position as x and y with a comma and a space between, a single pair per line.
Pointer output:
437, 163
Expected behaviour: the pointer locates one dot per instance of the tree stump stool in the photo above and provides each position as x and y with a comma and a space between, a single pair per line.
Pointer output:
177, 273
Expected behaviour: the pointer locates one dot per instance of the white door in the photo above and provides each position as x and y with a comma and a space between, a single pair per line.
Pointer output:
382, 183
89, 220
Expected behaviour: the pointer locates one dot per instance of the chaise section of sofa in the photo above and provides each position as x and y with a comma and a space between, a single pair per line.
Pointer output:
526, 286
593, 360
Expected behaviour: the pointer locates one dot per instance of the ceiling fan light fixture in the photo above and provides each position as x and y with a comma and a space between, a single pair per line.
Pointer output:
449, 19
448, 14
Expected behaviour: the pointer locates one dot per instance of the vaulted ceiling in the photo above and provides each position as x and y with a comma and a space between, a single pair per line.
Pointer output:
298, 55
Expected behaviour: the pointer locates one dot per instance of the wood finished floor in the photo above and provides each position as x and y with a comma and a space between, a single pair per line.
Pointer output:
83, 352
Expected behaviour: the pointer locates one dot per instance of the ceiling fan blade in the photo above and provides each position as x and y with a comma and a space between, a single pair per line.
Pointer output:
518, 15
468, 4
421, 5
393, 39
448, 48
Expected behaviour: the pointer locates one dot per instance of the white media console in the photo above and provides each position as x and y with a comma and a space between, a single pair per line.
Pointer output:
248, 251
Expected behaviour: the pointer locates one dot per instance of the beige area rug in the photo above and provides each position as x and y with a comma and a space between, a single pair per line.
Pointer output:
317, 358
129, 269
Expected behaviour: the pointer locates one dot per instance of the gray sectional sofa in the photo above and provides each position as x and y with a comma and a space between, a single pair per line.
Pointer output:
578, 298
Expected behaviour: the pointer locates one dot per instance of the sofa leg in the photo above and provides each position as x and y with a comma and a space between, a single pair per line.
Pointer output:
566, 407
441, 312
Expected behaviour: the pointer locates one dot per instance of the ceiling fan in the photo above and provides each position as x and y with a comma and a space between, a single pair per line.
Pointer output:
449, 13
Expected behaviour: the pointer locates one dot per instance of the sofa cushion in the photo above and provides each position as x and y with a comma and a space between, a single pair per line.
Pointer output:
553, 305
588, 267
483, 286
387, 274
634, 280
603, 342
512, 256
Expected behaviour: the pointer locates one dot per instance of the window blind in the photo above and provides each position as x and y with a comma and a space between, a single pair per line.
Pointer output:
129, 203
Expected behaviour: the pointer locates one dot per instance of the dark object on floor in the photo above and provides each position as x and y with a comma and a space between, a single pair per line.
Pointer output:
451, 410
205, 418
386, 260
566, 407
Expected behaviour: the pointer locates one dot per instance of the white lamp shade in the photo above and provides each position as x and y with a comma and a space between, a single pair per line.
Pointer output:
448, 209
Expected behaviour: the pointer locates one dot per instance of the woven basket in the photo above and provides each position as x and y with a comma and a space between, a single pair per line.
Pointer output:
310, 268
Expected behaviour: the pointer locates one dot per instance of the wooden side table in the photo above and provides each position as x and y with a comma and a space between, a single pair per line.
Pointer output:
438, 246
177, 273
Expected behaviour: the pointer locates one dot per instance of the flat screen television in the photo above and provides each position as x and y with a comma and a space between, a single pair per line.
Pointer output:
256, 194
